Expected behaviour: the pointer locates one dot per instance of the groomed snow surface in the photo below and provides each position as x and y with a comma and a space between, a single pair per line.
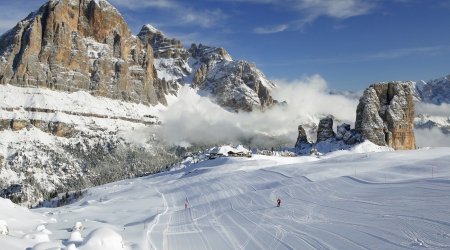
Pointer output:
344, 200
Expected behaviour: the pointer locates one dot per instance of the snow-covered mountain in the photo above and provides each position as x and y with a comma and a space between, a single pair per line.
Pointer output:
81, 107
234, 84
434, 91
81, 97
433, 99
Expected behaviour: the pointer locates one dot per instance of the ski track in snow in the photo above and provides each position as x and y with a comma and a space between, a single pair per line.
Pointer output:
239, 213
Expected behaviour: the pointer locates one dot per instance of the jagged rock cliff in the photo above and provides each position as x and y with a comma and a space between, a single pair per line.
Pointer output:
325, 130
234, 84
302, 137
71, 45
385, 115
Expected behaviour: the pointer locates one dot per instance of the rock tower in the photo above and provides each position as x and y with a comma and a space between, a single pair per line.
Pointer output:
385, 115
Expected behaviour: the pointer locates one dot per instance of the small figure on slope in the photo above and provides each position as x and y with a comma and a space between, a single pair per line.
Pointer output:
279, 202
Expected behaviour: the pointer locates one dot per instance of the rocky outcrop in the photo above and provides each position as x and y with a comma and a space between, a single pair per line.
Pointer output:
56, 128
344, 133
238, 85
302, 137
171, 58
325, 130
71, 45
385, 115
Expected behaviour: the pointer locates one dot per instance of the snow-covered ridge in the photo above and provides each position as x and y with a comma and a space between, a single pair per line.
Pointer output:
22, 103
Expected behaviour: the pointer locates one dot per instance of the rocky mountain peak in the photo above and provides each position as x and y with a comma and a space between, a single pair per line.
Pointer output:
435, 91
234, 84
71, 45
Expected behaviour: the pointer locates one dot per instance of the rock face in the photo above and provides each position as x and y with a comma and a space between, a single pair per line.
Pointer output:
234, 84
344, 133
71, 45
385, 115
302, 137
325, 130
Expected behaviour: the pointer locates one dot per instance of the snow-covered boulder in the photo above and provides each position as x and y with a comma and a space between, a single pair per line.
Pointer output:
344, 133
102, 238
77, 227
4, 228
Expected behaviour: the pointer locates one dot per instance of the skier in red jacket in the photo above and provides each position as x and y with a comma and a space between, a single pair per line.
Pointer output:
279, 202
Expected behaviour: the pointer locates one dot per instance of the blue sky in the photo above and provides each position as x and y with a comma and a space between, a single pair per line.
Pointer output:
350, 43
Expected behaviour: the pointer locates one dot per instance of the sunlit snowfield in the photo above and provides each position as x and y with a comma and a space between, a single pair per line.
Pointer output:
346, 200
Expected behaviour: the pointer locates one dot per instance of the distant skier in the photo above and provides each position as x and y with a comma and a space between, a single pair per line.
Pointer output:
279, 202
185, 205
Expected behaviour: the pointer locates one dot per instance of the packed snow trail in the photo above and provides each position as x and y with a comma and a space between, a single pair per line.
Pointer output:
237, 210
391, 203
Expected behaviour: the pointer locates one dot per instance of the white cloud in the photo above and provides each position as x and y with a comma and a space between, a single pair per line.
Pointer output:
404, 52
431, 138
442, 110
390, 54
271, 29
206, 122
340, 9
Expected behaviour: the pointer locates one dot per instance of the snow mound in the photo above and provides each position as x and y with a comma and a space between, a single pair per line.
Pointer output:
102, 238
48, 246
75, 237
71, 247
38, 236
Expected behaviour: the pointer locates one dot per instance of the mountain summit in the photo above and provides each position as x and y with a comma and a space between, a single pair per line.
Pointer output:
71, 45
233, 84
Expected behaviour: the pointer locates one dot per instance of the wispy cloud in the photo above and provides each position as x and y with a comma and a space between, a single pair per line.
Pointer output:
310, 10
271, 29
340, 9
404, 52
390, 54
178, 13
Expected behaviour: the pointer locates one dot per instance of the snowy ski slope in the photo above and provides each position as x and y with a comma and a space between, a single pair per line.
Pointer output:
345, 200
